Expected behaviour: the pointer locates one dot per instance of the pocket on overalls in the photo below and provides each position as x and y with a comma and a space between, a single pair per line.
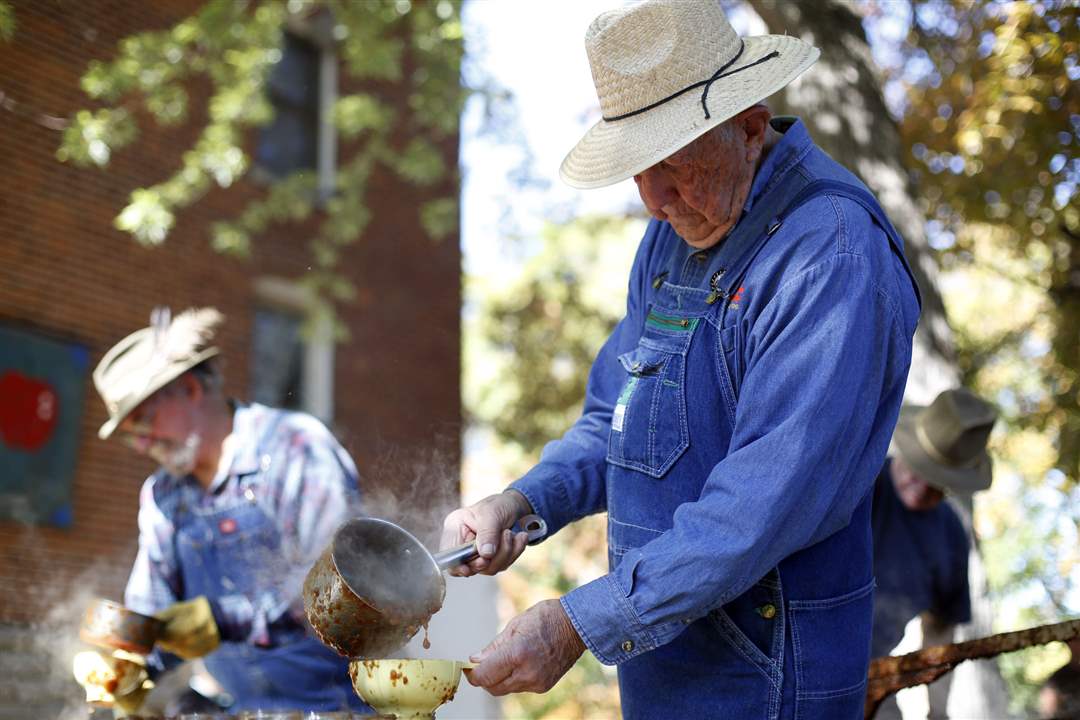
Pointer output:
754, 622
649, 428
831, 645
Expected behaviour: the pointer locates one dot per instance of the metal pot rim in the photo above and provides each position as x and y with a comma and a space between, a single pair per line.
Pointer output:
406, 537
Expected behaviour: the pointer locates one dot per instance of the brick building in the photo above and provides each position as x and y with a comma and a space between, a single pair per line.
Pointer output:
391, 392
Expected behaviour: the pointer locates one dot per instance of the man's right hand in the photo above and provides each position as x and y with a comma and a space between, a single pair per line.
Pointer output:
488, 522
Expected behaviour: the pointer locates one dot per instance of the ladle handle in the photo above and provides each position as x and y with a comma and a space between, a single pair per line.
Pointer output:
533, 525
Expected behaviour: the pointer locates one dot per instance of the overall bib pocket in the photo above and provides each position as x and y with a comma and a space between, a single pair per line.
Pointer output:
228, 551
649, 428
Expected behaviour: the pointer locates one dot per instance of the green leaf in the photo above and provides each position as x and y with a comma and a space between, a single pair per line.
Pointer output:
354, 114
91, 137
146, 217
439, 218
228, 239
7, 21
420, 163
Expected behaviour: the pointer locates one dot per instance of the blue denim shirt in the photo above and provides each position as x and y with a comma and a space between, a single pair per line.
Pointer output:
729, 440
246, 543
920, 562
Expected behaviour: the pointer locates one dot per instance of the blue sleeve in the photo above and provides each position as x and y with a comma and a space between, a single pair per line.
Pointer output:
568, 482
826, 364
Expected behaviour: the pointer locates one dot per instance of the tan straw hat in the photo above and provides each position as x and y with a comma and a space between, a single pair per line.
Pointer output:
945, 443
148, 359
666, 71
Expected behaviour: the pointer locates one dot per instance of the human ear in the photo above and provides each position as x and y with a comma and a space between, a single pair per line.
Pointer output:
754, 123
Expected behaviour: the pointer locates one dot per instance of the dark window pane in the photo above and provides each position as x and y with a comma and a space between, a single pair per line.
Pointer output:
277, 359
290, 142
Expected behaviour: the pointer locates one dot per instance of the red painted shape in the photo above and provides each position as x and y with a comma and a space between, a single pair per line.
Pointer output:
29, 409
227, 526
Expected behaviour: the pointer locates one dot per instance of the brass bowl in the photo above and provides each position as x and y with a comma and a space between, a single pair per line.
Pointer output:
110, 625
406, 689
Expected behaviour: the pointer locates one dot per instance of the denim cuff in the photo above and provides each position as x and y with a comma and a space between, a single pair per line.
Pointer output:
608, 624
545, 491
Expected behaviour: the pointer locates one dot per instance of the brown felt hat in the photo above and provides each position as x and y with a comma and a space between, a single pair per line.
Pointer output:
945, 442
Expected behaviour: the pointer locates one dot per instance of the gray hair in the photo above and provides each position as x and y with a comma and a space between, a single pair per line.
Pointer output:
209, 375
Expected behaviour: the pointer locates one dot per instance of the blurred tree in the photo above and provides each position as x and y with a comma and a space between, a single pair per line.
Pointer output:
992, 125
232, 47
530, 342
993, 122
542, 327
842, 102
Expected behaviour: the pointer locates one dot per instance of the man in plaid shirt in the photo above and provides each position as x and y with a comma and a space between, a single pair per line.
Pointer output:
244, 501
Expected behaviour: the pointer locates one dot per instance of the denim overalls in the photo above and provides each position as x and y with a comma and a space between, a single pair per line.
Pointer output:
738, 498
230, 551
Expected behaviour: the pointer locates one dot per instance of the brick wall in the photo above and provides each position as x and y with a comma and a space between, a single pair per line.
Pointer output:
66, 272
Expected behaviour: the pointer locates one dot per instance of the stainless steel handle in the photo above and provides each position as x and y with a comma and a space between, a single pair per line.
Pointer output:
533, 525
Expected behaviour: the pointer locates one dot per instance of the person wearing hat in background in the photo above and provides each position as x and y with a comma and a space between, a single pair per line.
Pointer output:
920, 544
736, 418
244, 500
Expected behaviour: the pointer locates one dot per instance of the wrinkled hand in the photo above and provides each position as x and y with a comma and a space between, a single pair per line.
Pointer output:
530, 655
117, 680
190, 630
488, 522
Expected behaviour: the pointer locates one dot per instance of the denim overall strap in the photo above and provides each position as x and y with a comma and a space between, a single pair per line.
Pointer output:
861, 196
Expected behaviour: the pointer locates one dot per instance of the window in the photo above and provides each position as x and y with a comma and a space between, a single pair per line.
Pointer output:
302, 87
277, 359
290, 142
292, 350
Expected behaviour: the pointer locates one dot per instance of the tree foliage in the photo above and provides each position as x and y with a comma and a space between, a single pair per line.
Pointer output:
541, 329
228, 49
993, 123
530, 341
7, 21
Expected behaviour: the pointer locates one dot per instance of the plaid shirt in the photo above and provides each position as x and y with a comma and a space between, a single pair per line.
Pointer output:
303, 480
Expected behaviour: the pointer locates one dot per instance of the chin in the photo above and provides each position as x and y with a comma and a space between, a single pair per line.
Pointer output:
702, 243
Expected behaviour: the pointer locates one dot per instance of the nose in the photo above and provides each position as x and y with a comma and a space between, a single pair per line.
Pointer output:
657, 191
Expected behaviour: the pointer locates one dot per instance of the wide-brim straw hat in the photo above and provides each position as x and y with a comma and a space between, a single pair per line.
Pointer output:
149, 359
945, 442
666, 72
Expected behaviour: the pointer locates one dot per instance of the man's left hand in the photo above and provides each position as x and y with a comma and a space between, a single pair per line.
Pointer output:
530, 655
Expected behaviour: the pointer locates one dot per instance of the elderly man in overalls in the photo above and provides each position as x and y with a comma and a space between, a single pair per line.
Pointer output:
245, 499
736, 418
